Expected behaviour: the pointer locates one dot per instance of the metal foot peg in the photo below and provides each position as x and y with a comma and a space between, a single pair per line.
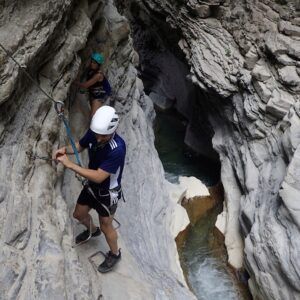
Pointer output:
92, 262
118, 224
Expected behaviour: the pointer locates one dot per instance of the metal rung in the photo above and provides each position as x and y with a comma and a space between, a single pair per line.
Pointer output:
92, 262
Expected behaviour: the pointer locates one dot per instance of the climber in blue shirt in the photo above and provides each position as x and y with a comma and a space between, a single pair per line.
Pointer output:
106, 151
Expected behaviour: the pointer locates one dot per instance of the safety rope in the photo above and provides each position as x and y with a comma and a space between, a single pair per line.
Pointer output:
59, 108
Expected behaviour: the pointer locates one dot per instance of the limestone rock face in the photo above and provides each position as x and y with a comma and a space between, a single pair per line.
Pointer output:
37, 198
244, 58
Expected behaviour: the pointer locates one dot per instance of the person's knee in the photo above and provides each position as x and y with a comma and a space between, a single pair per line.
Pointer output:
104, 228
81, 211
75, 215
78, 215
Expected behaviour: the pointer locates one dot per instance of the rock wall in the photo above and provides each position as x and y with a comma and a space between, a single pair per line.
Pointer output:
244, 58
165, 73
51, 41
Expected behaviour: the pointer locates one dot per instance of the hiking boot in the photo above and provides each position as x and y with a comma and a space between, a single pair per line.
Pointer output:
83, 236
110, 261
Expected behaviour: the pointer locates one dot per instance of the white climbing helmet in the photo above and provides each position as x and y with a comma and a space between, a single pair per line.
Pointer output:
105, 120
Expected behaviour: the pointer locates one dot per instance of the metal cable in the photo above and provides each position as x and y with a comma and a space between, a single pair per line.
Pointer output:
59, 105
28, 75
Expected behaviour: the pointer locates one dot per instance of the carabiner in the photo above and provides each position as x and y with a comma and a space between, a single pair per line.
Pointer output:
59, 107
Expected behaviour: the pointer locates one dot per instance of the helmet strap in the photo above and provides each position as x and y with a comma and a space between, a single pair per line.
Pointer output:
96, 63
100, 145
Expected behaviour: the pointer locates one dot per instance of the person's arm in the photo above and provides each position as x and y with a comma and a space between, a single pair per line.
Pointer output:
93, 175
93, 80
67, 150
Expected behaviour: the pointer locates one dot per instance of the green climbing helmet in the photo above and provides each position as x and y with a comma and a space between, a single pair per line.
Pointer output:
98, 58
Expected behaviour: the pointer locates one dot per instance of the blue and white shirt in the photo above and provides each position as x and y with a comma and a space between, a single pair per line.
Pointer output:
109, 157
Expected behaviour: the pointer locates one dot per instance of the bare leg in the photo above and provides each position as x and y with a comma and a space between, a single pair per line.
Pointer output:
110, 233
95, 104
81, 213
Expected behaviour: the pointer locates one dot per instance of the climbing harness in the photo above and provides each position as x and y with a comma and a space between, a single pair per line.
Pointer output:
59, 108
88, 187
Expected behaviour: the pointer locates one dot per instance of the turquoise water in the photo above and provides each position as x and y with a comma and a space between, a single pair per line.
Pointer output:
177, 159
206, 272
206, 266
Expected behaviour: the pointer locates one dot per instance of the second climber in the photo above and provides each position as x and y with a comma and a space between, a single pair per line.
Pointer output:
96, 83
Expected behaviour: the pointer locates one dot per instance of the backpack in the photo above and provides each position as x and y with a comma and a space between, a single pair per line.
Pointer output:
106, 86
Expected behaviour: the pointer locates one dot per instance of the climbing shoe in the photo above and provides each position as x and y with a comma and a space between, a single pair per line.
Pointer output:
84, 236
110, 261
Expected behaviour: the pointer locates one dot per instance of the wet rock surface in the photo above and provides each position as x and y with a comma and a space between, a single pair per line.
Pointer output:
53, 41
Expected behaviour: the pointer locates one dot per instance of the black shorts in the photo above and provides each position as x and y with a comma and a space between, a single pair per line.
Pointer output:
102, 201
98, 96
